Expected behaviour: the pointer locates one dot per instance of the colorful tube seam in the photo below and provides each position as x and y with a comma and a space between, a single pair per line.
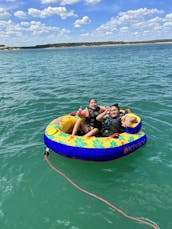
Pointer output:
57, 137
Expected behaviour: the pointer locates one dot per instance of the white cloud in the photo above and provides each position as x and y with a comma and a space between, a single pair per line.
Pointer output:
83, 21
59, 11
124, 29
61, 2
35, 13
168, 16
33, 26
168, 24
9, 27
25, 23
155, 20
132, 19
108, 33
4, 13
141, 12
134, 23
36, 27
92, 1
111, 25
20, 14
32, 33
70, 2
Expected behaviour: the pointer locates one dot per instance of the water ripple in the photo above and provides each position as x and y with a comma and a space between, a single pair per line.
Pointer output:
40, 85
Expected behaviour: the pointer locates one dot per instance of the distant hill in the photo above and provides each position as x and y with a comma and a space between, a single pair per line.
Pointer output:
78, 44
2, 47
58, 45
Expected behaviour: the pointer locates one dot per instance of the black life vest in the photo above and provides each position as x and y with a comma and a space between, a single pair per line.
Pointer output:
111, 126
91, 119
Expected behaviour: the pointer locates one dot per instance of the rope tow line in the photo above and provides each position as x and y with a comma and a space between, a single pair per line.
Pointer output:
151, 224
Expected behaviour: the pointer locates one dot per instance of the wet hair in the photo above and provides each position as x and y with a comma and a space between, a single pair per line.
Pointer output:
92, 99
115, 105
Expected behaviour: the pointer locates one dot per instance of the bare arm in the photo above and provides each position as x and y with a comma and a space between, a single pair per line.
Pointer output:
101, 116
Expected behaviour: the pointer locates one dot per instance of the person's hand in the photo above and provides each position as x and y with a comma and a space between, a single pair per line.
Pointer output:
123, 121
107, 111
80, 109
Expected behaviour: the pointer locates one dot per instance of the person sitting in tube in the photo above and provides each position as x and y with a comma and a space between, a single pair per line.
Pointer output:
113, 121
87, 123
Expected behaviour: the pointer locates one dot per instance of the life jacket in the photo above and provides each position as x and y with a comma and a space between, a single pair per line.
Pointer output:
91, 119
111, 126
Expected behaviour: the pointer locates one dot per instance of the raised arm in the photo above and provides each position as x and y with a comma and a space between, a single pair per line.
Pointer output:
103, 115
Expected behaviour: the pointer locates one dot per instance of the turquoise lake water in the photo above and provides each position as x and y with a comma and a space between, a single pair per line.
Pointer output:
37, 86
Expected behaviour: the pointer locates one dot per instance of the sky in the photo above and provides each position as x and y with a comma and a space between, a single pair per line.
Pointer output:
34, 22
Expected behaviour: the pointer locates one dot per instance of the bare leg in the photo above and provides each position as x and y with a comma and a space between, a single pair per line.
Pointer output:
84, 127
127, 121
92, 132
77, 126
81, 125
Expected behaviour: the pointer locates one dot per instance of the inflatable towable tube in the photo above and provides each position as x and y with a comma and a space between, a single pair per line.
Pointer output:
57, 137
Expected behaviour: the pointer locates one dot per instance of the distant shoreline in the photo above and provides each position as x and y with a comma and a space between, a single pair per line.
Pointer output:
87, 44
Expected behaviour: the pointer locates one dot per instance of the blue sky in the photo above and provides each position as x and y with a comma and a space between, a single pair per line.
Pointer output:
32, 22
